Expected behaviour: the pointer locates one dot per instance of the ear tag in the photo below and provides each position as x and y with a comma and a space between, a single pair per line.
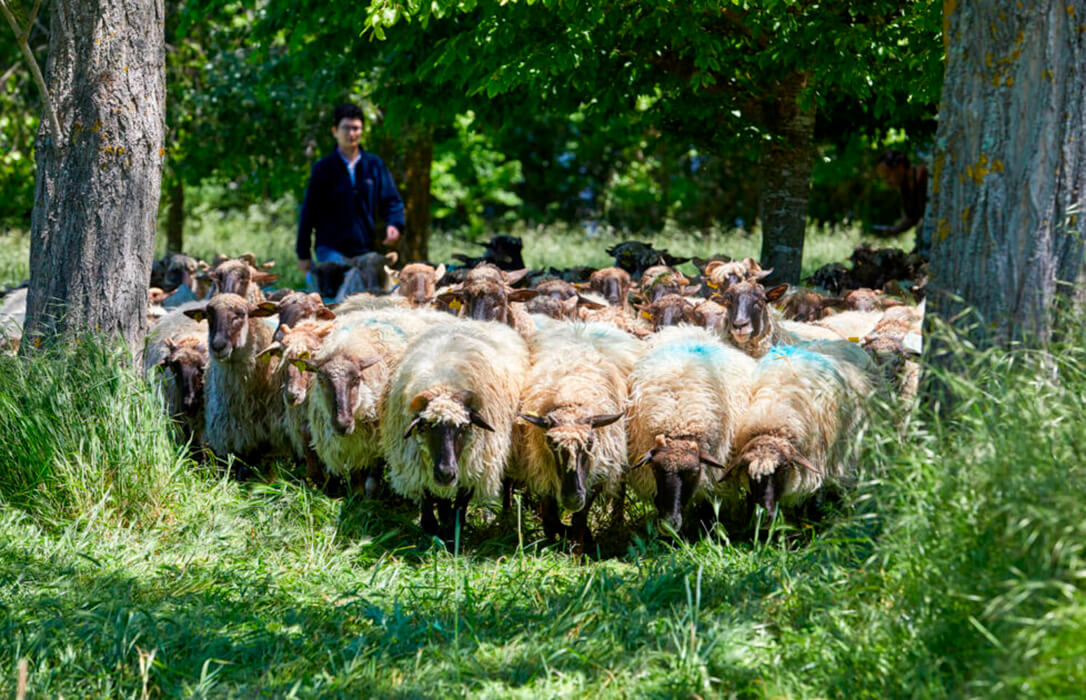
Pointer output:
853, 339
711, 285
646, 315
455, 304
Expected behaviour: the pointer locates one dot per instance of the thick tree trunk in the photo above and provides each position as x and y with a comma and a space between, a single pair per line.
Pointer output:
419, 158
97, 188
175, 217
786, 169
1009, 169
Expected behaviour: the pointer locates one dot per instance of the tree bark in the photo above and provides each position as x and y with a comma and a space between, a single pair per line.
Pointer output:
786, 169
1009, 167
418, 160
175, 217
97, 192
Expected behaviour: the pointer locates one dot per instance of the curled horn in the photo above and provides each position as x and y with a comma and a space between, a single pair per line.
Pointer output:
369, 361
544, 422
275, 349
645, 459
797, 458
710, 462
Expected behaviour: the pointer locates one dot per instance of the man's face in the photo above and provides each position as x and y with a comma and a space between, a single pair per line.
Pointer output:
347, 133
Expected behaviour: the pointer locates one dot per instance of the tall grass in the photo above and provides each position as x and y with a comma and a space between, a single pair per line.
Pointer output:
956, 569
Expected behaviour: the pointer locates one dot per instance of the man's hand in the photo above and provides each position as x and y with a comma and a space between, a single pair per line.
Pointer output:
392, 234
305, 265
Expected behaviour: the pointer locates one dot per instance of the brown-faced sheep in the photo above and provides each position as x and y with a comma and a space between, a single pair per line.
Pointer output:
446, 427
295, 307
177, 345
805, 420
241, 406
486, 294
751, 324
574, 396
418, 283
687, 393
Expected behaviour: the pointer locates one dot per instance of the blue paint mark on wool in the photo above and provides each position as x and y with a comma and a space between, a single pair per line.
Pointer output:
795, 353
704, 350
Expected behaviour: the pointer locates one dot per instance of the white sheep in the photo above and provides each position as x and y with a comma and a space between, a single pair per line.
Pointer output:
447, 424
687, 394
804, 422
575, 396
353, 368
242, 409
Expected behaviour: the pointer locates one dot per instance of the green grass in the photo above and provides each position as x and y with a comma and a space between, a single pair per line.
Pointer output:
126, 568
957, 570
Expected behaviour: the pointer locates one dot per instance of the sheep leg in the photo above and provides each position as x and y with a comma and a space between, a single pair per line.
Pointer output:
618, 508
507, 498
314, 470
427, 521
552, 518
578, 528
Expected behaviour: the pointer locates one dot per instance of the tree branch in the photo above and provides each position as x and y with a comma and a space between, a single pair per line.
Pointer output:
24, 47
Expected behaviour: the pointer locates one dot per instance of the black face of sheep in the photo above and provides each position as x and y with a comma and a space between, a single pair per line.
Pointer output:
445, 439
330, 276
747, 304
571, 446
677, 466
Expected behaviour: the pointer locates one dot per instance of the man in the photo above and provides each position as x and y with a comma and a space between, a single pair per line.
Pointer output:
894, 169
347, 189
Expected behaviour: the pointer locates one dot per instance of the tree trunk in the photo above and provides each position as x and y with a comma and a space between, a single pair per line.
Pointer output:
175, 217
97, 189
419, 158
786, 169
1009, 168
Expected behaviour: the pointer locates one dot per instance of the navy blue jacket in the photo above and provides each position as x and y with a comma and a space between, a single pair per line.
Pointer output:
343, 216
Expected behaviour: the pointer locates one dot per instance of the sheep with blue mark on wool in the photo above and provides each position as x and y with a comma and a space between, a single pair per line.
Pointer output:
687, 394
804, 423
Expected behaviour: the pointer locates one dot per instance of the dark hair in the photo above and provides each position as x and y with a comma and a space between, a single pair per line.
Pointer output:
347, 111
890, 158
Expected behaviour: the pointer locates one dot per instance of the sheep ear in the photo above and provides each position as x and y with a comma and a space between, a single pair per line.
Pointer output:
759, 275
690, 290
589, 304
645, 459
263, 309
477, 420
447, 298
777, 292
569, 305
439, 273
268, 265
304, 364
367, 362
197, 314
710, 266
325, 314
604, 419
515, 276
248, 258
523, 294
273, 350
393, 275
263, 277
710, 462
392, 256
544, 422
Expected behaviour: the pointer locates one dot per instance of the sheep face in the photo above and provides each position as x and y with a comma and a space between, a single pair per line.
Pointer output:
187, 361
228, 322
766, 460
418, 282
444, 420
345, 391
559, 290
570, 444
677, 465
232, 276
660, 280
748, 309
297, 346
612, 283
668, 310
372, 272
486, 300
296, 307
805, 306
709, 315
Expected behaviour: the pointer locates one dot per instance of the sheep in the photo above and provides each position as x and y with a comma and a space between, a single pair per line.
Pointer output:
721, 275
807, 305
241, 276
709, 315
751, 325
12, 317
660, 280
867, 299
241, 408
175, 351
365, 301
354, 367
575, 393
447, 424
295, 307
487, 295
687, 393
668, 310
613, 284
294, 344
635, 257
804, 422
851, 325
418, 283
368, 273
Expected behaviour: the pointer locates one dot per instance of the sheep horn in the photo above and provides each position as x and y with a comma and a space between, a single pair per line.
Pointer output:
606, 419
544, 422
645, 459
710, 462
412, 426
477, 420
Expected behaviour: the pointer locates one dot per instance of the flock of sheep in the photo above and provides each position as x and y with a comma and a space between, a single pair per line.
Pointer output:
458, 386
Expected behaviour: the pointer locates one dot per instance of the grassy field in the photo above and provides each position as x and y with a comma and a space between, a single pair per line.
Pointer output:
956, 569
